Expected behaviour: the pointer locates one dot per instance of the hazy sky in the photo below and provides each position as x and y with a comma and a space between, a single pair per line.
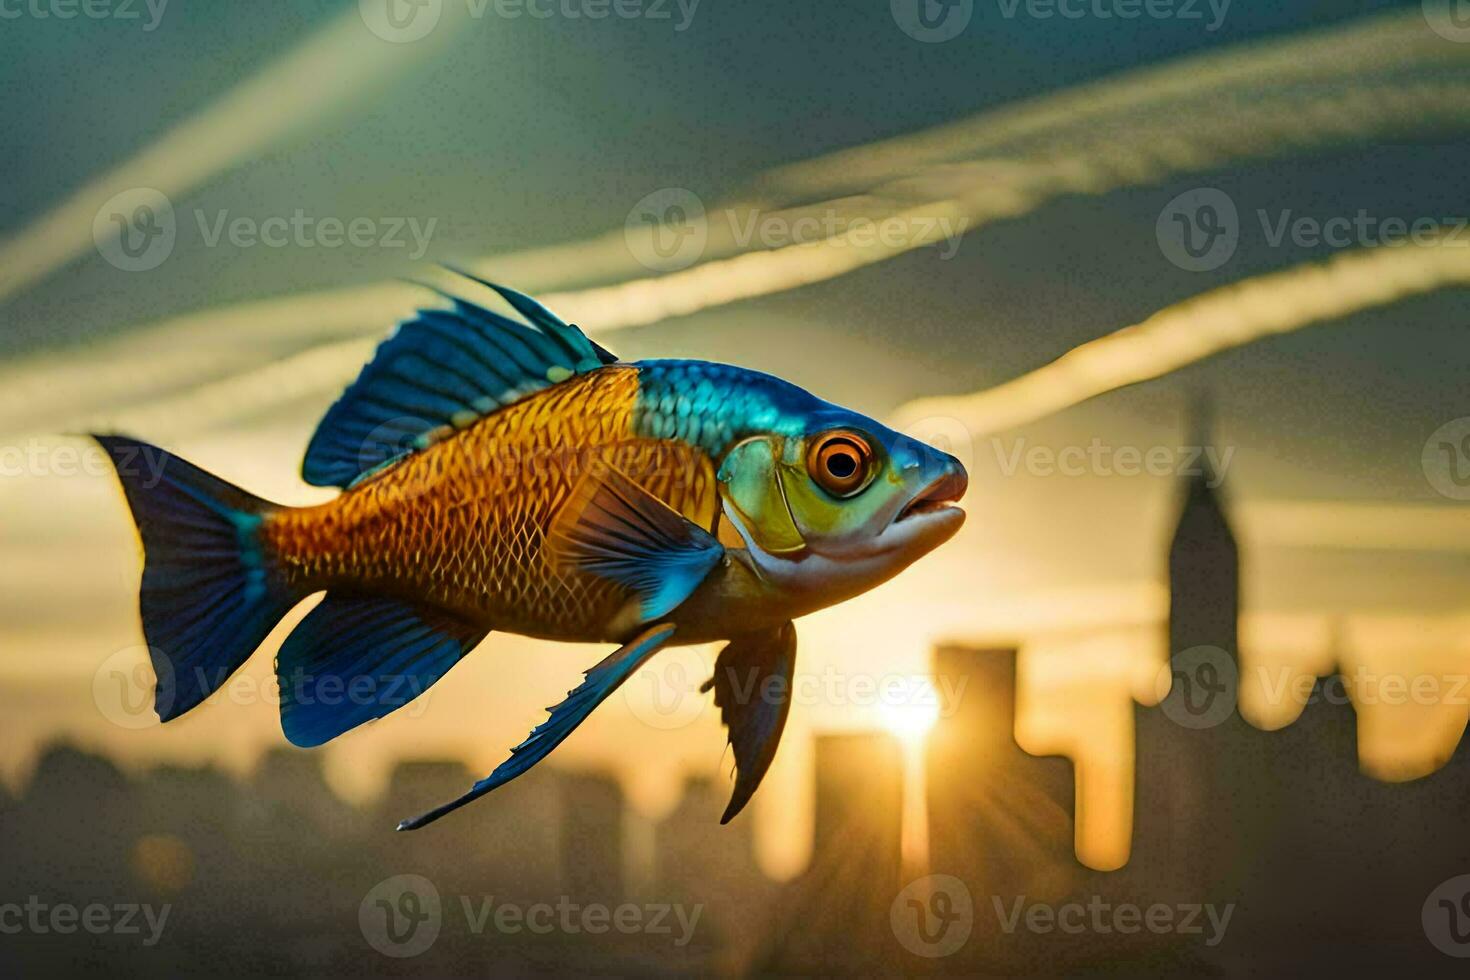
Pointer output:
522, 132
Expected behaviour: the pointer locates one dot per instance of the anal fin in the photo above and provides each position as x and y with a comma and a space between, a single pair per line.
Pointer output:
359, 657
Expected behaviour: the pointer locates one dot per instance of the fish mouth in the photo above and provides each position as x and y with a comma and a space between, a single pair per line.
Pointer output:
938, 497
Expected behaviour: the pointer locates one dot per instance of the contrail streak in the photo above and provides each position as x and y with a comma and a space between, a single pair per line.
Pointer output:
977, 194
1061, 145
337, 64
1207, 324
1356, 49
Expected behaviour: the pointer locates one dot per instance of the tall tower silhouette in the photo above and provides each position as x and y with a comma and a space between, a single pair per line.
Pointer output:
999, 817
1204, 559
834, 918
1194, 752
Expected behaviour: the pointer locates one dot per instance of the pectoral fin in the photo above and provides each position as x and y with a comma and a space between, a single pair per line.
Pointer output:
612, 527
600, 682
752, 685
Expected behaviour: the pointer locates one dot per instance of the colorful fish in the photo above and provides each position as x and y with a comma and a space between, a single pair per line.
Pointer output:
504, 474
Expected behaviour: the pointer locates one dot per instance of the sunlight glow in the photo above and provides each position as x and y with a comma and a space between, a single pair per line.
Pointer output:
910, 709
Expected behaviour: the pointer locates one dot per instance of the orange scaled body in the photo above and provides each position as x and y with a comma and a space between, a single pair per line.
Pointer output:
462, 524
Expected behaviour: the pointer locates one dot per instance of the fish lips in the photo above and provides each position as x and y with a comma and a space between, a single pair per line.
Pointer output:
928, 520
939, 498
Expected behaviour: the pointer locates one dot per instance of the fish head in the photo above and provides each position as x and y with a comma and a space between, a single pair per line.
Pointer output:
841, 501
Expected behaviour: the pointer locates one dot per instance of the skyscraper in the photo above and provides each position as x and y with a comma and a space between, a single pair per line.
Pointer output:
834, 918
999, 817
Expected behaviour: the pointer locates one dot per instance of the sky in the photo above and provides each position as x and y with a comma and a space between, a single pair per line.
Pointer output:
502, 138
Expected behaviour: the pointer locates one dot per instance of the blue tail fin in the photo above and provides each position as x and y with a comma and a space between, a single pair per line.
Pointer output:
208, 597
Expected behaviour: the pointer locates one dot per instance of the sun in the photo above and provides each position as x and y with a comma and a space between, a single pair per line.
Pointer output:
910, 708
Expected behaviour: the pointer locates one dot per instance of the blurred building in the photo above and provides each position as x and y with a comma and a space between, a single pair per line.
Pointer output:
1315, 855
1281, 828
291, 786
1319, 866
997, 815
699, 862
833, 919
592, 850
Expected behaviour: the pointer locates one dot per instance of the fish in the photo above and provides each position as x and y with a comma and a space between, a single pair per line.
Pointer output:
506, 473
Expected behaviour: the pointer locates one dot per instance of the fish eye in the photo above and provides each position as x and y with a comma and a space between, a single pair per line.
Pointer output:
840, 462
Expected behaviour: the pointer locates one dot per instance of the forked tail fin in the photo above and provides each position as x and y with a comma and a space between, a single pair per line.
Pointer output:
209, 594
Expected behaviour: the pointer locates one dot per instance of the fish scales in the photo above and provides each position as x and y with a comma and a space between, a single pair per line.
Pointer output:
462, 523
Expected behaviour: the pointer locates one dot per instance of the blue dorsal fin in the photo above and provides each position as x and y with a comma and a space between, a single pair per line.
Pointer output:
440, 371
593, 353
